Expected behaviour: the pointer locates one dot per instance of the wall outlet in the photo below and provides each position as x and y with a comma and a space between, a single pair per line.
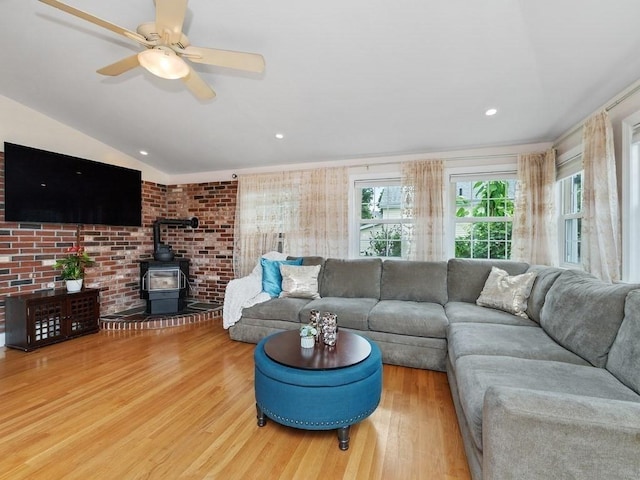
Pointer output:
51, 285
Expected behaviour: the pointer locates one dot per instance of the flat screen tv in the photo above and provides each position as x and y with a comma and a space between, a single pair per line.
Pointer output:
47, 187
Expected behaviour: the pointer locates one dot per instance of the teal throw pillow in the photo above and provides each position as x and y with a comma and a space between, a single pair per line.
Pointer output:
271, 276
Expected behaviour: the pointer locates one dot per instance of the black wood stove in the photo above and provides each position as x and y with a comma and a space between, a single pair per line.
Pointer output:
164, 285
164, 281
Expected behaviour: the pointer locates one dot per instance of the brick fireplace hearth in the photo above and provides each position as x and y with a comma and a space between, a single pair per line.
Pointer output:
138, 319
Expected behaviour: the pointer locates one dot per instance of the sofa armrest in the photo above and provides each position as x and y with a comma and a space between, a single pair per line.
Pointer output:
530, 434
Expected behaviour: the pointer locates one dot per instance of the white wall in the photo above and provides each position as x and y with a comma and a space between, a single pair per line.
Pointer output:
24, 126
377, 165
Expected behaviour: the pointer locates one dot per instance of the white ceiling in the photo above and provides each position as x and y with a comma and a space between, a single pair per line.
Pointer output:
344, 78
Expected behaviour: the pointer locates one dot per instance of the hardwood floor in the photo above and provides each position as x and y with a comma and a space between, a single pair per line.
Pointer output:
178, 403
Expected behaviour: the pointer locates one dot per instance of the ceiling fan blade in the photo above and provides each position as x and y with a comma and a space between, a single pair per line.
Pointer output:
250, 62
169, 18
120, 66
198, 86
97, 21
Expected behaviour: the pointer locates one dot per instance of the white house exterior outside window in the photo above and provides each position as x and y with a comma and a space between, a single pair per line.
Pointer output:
382, 225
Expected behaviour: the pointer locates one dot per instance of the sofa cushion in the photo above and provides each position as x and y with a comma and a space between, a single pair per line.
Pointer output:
583, 314
466, 277
351, 312
510, 340
300, 281
414, 281
358, 278
624, 356
476, 373
309, 261
277, 309
470, 312
507, 292
404, 317
545, 276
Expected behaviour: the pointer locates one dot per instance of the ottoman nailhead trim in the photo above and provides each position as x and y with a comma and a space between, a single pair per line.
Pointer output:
291, 421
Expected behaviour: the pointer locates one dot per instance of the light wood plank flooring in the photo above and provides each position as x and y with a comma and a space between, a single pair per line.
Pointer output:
178, 403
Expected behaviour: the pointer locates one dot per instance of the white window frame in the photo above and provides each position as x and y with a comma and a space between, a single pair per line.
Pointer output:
565, 196
473, 173
569, 164
630, 212
368, 180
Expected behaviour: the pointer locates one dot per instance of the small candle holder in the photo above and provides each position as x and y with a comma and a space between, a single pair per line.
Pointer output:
329, 329
316, 322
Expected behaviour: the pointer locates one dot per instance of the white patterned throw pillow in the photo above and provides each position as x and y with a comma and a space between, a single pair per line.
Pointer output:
507, 293
300, 281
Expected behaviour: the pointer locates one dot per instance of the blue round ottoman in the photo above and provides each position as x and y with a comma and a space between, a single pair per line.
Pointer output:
317, 399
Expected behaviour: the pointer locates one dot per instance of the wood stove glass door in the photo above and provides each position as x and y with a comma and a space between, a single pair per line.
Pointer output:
162, 279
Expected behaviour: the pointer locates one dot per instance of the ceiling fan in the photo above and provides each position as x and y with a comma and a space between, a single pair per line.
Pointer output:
167, 47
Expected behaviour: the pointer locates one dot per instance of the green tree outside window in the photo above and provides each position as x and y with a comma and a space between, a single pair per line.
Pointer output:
489, 238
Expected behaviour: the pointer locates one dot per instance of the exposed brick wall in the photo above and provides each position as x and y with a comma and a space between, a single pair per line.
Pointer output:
28, 251
210, 246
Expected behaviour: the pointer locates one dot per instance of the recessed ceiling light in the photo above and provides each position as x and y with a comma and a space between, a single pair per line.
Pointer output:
279, 136
144, 152
490, 112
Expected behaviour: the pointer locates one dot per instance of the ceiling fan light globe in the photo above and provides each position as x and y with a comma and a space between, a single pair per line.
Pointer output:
164, 63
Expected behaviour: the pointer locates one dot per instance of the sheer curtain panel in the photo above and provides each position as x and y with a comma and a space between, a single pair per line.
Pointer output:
263, 212
601, 220
534, 224
322, 224
423, 188
298, 213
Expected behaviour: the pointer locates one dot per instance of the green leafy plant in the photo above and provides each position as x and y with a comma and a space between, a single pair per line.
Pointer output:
73, 265
385, 243
308, 331
491, 239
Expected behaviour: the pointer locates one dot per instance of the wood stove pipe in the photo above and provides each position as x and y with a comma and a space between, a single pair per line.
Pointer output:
164, 252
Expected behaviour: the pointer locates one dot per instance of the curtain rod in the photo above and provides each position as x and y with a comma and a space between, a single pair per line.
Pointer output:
444, 159
623, 97
608, 108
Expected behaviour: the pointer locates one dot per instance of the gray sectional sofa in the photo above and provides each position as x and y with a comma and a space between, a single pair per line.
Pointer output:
553, 394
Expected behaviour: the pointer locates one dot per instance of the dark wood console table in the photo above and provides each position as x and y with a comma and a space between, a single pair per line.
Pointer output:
36, 319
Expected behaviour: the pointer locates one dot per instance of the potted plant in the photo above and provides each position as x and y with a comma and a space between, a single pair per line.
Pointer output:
72, 267
308, 336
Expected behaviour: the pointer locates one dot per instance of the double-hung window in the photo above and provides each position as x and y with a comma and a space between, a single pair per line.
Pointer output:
571, 218
631, 199
382, 221
570, 177
483, 217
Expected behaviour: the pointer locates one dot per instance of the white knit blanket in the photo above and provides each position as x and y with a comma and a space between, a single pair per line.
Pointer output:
245, 292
